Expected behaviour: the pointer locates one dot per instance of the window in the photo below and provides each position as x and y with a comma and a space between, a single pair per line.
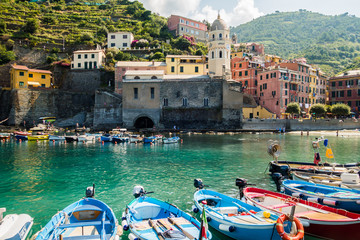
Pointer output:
286, 92
125, 44
135, 93
240, 65
166, 102
112, 45
349, 93
30, 75
260, 77
182, 28
206, 102
246, 83
43, 77
112, 36
274, 74
256, 82
220, 54
79, 56
333, 84
246, 73
181, 69
340, 83
95, 64
196, 69
42, 85
220, 36
192, 31
286, 85
192, 24
341, 93
79, 65
333, 94
152, 93
21, 73
172, 59
92, 55
267, 76
212, 55
197, 25
349, 103
285, 102
136, 77
125, 36
21, 84
86, 65
172, 69
358, 92
213, 36
240, 74
184, 102
85, 56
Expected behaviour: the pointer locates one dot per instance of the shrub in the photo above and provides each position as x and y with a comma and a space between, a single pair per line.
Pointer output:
49, 20
52, 58
340, 109
2, 26
293, 108
31, 26
6, 56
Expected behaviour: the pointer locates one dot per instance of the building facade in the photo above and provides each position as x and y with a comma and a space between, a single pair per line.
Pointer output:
179, 26
88, 59
345, 88
245, 71
24, 77
186, 65
120, 40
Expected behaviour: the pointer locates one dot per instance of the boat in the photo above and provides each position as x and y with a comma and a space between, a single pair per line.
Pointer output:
56, 138
22, 133
239, 220
149, 139
71, 138
346, 180
21, 137
171, 140
4, 136
106, 138
14, 226
148, 218
135, 139
119, 139
319, 221
85, 138
348, 199
87, 218
37, 137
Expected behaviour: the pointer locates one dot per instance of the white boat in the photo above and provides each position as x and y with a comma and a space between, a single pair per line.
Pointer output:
56, 138
171, 140
85, 138
14, 226
135, 139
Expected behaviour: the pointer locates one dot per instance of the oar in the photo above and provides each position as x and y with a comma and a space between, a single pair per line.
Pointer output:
181, 229
153, 225
253, 215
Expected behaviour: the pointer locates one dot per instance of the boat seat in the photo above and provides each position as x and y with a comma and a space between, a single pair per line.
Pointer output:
281, 205
146, 210
83, 224
90, 237
227, 210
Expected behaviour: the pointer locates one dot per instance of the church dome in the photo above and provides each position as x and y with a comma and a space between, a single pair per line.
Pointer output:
218, 24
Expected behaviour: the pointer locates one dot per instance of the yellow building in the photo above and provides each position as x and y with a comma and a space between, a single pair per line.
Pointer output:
23, 77
273, 58
257, 112
186, 65
312, 86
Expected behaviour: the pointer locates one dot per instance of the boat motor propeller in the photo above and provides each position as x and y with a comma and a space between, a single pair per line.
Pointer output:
242, 183
198, 183
90, 192
139, 191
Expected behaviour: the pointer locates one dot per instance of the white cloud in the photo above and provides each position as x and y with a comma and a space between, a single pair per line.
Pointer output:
244, 10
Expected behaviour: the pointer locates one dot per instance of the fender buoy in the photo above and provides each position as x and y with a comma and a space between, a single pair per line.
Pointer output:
280, 228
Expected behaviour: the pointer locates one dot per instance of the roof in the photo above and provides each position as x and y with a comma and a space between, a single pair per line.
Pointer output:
139, 64
351, 73
89, 51
25, 68
144, 72
184, 56
40, 71
218, 24
119, 33
187, 77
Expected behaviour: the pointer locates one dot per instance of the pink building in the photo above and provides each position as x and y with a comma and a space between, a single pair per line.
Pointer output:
245, 71
184, 26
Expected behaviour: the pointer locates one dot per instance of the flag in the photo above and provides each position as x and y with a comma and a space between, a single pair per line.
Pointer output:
204, 225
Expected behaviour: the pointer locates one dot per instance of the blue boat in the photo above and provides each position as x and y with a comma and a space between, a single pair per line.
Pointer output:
152, 219
171, 140
149, 139
344, 198
106, 138
237, 219
119, 139
56, 138
87, 218
21, 137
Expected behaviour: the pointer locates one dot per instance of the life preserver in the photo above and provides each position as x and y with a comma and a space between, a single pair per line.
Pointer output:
280, 228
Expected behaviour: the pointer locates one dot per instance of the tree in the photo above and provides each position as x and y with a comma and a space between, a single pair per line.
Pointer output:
293, 108
31, 26
340, 109
157, 55
317, 109
6, 56
2, 26
328, 109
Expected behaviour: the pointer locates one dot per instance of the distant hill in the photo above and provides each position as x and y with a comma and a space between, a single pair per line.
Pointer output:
331, 42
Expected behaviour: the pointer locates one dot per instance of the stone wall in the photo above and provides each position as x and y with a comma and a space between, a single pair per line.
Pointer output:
107, 111
82, 80
5, 104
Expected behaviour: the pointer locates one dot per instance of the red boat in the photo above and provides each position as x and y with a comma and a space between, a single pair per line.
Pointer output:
318, 220
22, 133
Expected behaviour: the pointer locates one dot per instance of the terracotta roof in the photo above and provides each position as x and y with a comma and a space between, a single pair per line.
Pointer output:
139, 64
88, 51
25, 68
39, 71
144, 72
20, 67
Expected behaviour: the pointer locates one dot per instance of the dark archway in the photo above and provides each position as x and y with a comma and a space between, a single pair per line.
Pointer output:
144, 122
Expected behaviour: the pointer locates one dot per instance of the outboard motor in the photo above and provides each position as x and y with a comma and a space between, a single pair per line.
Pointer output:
278, 178
198, 183
242, 183
90, 192
138, 191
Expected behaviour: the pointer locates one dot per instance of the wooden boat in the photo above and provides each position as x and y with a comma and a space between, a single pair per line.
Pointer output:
348, 199
171, 140
318, 220
237, 219
22, 133
285, 168
151, 219
149, 139
38, 137
119, 139
14, 226
346, 180
71, 138
135, 139
4, 136
106, 138
56, 138
85, 138
21, 137
87, 218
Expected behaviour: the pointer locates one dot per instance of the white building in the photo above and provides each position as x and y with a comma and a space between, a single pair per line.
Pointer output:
88, 59
120, 40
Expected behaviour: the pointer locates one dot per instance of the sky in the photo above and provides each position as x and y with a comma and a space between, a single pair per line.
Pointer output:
236, 12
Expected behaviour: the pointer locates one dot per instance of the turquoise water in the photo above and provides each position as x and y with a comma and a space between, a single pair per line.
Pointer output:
42, 178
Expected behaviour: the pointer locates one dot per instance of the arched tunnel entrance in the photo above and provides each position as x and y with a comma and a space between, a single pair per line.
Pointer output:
144, 122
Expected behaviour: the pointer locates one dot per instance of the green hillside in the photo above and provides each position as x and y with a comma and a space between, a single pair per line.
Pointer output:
331, 42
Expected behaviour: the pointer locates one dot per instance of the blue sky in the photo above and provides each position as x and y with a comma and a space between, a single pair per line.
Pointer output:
236, 12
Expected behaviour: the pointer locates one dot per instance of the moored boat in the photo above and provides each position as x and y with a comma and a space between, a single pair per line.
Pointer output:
239, 220
4, 136
135, 139
149, 139
14, 226
22, 133
56, 138
318, 220
37, 137
348, 199
151, 219
71, 138
171, 140
87, 218
85, 138
21, 137
106, 138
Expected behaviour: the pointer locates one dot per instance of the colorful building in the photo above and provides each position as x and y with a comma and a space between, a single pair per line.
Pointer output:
186, 65
345, 88
245, 71
88, 59
257, 112
120, 40
179, 26
24, 77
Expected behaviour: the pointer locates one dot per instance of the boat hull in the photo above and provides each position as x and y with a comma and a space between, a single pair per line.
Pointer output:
38, 138
15, 227
21, 137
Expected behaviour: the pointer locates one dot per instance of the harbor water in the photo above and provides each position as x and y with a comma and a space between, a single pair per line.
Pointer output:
41, 178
